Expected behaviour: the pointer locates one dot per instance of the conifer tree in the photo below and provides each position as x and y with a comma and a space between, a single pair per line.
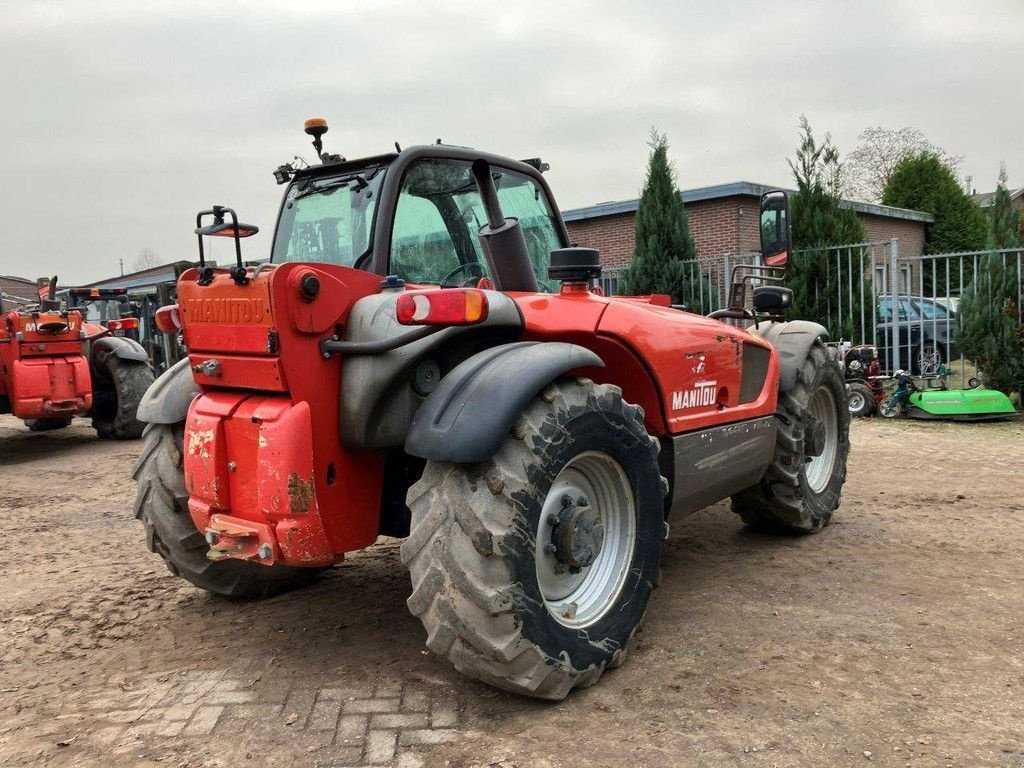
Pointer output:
664, 256
819, 223
989, 314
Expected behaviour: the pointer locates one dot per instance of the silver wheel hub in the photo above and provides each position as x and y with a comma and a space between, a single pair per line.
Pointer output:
577, 534
856, 401
585, 539
821, 440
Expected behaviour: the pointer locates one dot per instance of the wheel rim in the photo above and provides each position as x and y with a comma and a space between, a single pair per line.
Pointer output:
819, 468
578, 599
855, 400
929, 359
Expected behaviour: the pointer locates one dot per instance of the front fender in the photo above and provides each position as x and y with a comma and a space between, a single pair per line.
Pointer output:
168, 398
793, 341
123, 348
470, 413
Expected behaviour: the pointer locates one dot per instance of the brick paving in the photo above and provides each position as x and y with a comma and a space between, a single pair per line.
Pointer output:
339, 726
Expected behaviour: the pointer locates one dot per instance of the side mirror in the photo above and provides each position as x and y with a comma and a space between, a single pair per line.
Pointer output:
775, 224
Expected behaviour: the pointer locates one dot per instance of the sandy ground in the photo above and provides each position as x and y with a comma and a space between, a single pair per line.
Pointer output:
893, 637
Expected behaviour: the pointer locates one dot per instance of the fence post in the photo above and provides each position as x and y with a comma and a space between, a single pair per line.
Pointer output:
894, 270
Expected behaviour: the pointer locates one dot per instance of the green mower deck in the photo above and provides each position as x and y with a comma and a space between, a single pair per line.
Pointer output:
961, 405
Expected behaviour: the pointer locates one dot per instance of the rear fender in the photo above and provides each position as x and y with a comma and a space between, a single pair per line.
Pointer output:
123, 348
473, 408
167, 399
378, 395
793, 341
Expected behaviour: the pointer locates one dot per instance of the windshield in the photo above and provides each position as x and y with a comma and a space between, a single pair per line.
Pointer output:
328, 220
434, 238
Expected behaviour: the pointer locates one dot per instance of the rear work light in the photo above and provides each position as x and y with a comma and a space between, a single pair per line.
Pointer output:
124, 324
443, 306
167, 319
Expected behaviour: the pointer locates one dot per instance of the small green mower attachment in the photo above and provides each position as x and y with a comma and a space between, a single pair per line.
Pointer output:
960, 405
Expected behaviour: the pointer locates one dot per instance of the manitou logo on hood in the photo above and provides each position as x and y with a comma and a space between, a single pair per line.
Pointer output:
702, 393
213, 310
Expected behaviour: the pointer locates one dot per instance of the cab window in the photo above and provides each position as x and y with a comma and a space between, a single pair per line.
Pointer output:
439, 212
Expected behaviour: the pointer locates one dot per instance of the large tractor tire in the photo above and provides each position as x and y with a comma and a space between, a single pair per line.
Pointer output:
122, 383
161, 504
531, 571
803, 485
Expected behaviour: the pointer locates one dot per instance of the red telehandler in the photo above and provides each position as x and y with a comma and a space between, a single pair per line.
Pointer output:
54, 365
424, 357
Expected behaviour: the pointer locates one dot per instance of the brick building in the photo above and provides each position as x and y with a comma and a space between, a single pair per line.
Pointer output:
17, 290
724, 221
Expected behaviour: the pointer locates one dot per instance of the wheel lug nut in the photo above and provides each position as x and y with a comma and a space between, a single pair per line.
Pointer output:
550, 548
566, 500
582, 502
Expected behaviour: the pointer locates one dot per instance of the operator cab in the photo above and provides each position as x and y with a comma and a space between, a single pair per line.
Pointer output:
428, 214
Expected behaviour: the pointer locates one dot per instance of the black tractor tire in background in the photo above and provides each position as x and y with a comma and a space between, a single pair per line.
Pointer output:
161, 504
799, 492
859, 399
46, 425
118, 387
479, 545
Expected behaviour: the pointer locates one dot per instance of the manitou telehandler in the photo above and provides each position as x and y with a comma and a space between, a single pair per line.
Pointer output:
424, 357
54, 365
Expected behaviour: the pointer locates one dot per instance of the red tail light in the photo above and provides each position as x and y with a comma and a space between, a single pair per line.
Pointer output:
124, 324
167, 319
447, 306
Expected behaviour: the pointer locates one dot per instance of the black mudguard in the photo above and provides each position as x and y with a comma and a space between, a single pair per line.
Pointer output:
123, 348
793, 341
468, 416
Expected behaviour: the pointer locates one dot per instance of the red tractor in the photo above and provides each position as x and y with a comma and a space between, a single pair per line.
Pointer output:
54, 365
424, 357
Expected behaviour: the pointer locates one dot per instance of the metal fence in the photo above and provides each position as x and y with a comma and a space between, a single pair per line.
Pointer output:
870, 293
708, 280
907, 306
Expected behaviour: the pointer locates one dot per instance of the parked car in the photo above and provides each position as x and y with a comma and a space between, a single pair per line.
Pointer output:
927, 332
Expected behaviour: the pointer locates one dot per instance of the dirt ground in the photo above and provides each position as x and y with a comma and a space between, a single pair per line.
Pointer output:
893, 637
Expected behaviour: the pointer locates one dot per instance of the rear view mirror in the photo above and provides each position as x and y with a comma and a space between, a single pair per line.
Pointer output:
775, 222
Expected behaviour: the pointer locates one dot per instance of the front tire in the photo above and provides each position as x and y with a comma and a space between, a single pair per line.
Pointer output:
512, 579
116, 403
803, 485
161, 503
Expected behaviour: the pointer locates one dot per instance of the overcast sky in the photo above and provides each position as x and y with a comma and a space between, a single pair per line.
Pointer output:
121, 120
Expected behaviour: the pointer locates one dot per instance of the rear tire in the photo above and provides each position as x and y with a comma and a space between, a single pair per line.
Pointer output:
799, 492
115, 405
487, 578
161, 504
859, 399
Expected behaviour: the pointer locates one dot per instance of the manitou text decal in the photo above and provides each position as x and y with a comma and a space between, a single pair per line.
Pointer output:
224, 310
702, 393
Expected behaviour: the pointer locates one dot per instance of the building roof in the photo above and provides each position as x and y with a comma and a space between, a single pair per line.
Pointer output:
145, 277
984, 199
18, 290
738, 189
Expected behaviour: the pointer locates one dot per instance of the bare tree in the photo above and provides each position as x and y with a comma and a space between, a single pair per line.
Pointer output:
146, 259
871, 164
